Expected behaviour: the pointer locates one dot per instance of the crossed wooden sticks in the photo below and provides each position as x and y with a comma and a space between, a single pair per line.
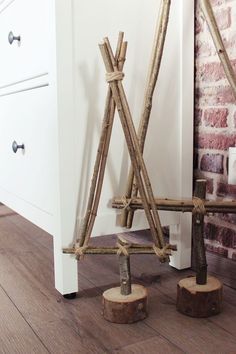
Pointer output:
116, 97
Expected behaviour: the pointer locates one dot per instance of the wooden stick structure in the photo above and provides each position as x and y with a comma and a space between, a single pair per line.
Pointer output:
156, 57
116, 98
178, 205
219, 44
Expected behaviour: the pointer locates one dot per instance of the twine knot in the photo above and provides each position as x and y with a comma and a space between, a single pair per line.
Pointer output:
114, 76
122, 249
162, 253
199, 207
126, 203
80, 252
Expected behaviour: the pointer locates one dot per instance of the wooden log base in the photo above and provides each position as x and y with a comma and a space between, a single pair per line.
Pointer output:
125, 309
199, 300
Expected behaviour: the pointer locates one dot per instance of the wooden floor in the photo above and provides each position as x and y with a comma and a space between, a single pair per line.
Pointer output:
34, 318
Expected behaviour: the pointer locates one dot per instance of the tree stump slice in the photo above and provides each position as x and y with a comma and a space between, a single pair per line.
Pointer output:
199, 300
130, 308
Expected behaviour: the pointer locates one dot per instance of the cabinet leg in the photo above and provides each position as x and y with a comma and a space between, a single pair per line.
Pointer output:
180, 235
66, 274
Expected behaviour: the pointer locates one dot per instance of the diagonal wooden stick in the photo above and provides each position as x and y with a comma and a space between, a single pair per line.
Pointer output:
134, 150
156, 57
99, 167
217, 39
120, 64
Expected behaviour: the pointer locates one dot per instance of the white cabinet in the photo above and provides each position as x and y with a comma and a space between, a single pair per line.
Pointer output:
52, 94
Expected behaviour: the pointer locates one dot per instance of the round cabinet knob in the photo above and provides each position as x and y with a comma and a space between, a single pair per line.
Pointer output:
15, 146
12, 38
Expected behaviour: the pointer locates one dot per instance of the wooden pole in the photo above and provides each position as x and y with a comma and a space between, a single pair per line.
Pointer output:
198, 235
217, 39
120, 63
183, 206
125, 276
145, 249
154, 68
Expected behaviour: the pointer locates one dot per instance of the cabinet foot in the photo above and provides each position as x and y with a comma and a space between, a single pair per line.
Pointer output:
70, 296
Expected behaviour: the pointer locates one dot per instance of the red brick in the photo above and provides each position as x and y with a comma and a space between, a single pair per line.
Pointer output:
204, 49
210, 231
216, 2
230, 42
227, 237
219, 250
211, 72
230, 218
224, 189
212, 163
224, 235
223, 18
216, 117
214, 141
214, 96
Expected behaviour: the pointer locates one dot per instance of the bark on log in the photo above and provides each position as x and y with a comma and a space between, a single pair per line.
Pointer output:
199, 251
199, 300
124, 309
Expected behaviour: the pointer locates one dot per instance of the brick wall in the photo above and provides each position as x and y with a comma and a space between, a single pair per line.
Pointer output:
215, 123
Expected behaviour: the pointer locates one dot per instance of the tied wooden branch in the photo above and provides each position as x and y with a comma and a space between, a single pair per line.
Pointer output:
154, 68
101, 158
138, 164
217, 39
133, 249
184, 206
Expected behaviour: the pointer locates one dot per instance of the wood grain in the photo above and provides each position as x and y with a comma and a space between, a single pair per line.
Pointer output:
34, 318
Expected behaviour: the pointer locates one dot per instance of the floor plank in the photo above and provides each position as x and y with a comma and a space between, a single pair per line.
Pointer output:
16, 336
155, 345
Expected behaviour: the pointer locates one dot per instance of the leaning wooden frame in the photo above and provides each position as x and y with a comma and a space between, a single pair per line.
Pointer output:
116, 98
116, 95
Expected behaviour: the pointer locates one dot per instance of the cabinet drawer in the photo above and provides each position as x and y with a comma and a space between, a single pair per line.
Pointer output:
29, 174
29, 57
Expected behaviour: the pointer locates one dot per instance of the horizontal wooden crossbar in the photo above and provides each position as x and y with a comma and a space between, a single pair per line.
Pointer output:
114, 250
178, 205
